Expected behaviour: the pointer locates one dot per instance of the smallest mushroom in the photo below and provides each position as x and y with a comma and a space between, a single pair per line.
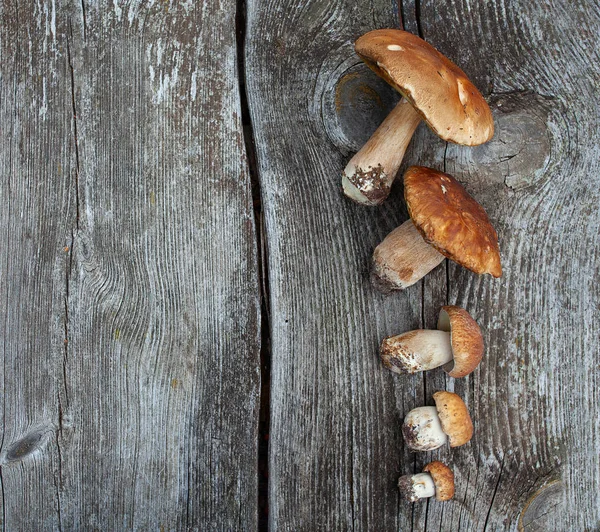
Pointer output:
457, 346
437, 479
429, 427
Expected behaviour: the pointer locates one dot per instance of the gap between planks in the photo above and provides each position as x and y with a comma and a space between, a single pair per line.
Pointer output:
261, 244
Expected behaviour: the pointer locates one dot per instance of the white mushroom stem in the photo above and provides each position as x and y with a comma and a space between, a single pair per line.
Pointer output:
416, 351
422, 429
415, 487
368, 177
403, 258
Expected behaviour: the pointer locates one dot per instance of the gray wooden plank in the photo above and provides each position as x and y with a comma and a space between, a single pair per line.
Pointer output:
130, 293
335, 445
335, 448
537, 179
37, 194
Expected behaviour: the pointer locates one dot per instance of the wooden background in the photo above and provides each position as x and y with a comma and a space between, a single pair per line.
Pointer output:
183, 285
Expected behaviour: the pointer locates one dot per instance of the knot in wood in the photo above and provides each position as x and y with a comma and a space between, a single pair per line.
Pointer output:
539, 512
519, 154
28, 444
355, 102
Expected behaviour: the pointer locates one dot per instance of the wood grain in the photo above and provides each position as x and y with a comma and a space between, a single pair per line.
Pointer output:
335, 446
130, 297
335, 443
129, 288
542, 311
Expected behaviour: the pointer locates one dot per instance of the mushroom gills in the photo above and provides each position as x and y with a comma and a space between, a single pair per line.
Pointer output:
415, 487
403, 258
416, 351
422, 429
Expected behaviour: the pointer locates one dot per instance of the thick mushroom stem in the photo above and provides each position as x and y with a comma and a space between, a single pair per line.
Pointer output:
368, 177
416, 351
403, 258
422, 429
415, 487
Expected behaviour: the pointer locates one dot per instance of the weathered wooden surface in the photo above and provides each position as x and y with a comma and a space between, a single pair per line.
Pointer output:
128, 274
335, 444
129, 287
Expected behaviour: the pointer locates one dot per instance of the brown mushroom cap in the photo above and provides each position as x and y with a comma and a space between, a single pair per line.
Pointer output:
465, 338
443, 478
451, 220
440, 91
454, 418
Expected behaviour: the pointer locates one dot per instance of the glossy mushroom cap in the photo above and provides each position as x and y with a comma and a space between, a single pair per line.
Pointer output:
451, 221
454, 418
438, 90
465, 338
443, 478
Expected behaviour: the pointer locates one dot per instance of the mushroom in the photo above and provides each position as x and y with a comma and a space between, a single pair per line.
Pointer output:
445, 222
457, 345
437, 479
435, 90
429, 427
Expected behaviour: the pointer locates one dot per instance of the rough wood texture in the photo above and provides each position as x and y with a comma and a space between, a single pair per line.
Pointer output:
129, 287
335, 442
129, 290
335, 445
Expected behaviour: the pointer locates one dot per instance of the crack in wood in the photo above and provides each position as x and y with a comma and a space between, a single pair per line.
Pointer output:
58, 483
68, 270
400, 10
418, 17
74, 109
83, 19
261, 244
3, 505
2, 501
489, 513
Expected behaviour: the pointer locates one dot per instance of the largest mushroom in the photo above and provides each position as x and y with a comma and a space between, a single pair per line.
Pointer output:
435, 90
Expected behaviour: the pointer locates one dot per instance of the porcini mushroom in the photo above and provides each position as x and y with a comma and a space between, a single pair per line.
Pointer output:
429, 427
445, 222
457, 346
437, 479
434, 89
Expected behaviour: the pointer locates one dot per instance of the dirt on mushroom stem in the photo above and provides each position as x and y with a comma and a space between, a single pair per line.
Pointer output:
372, 183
